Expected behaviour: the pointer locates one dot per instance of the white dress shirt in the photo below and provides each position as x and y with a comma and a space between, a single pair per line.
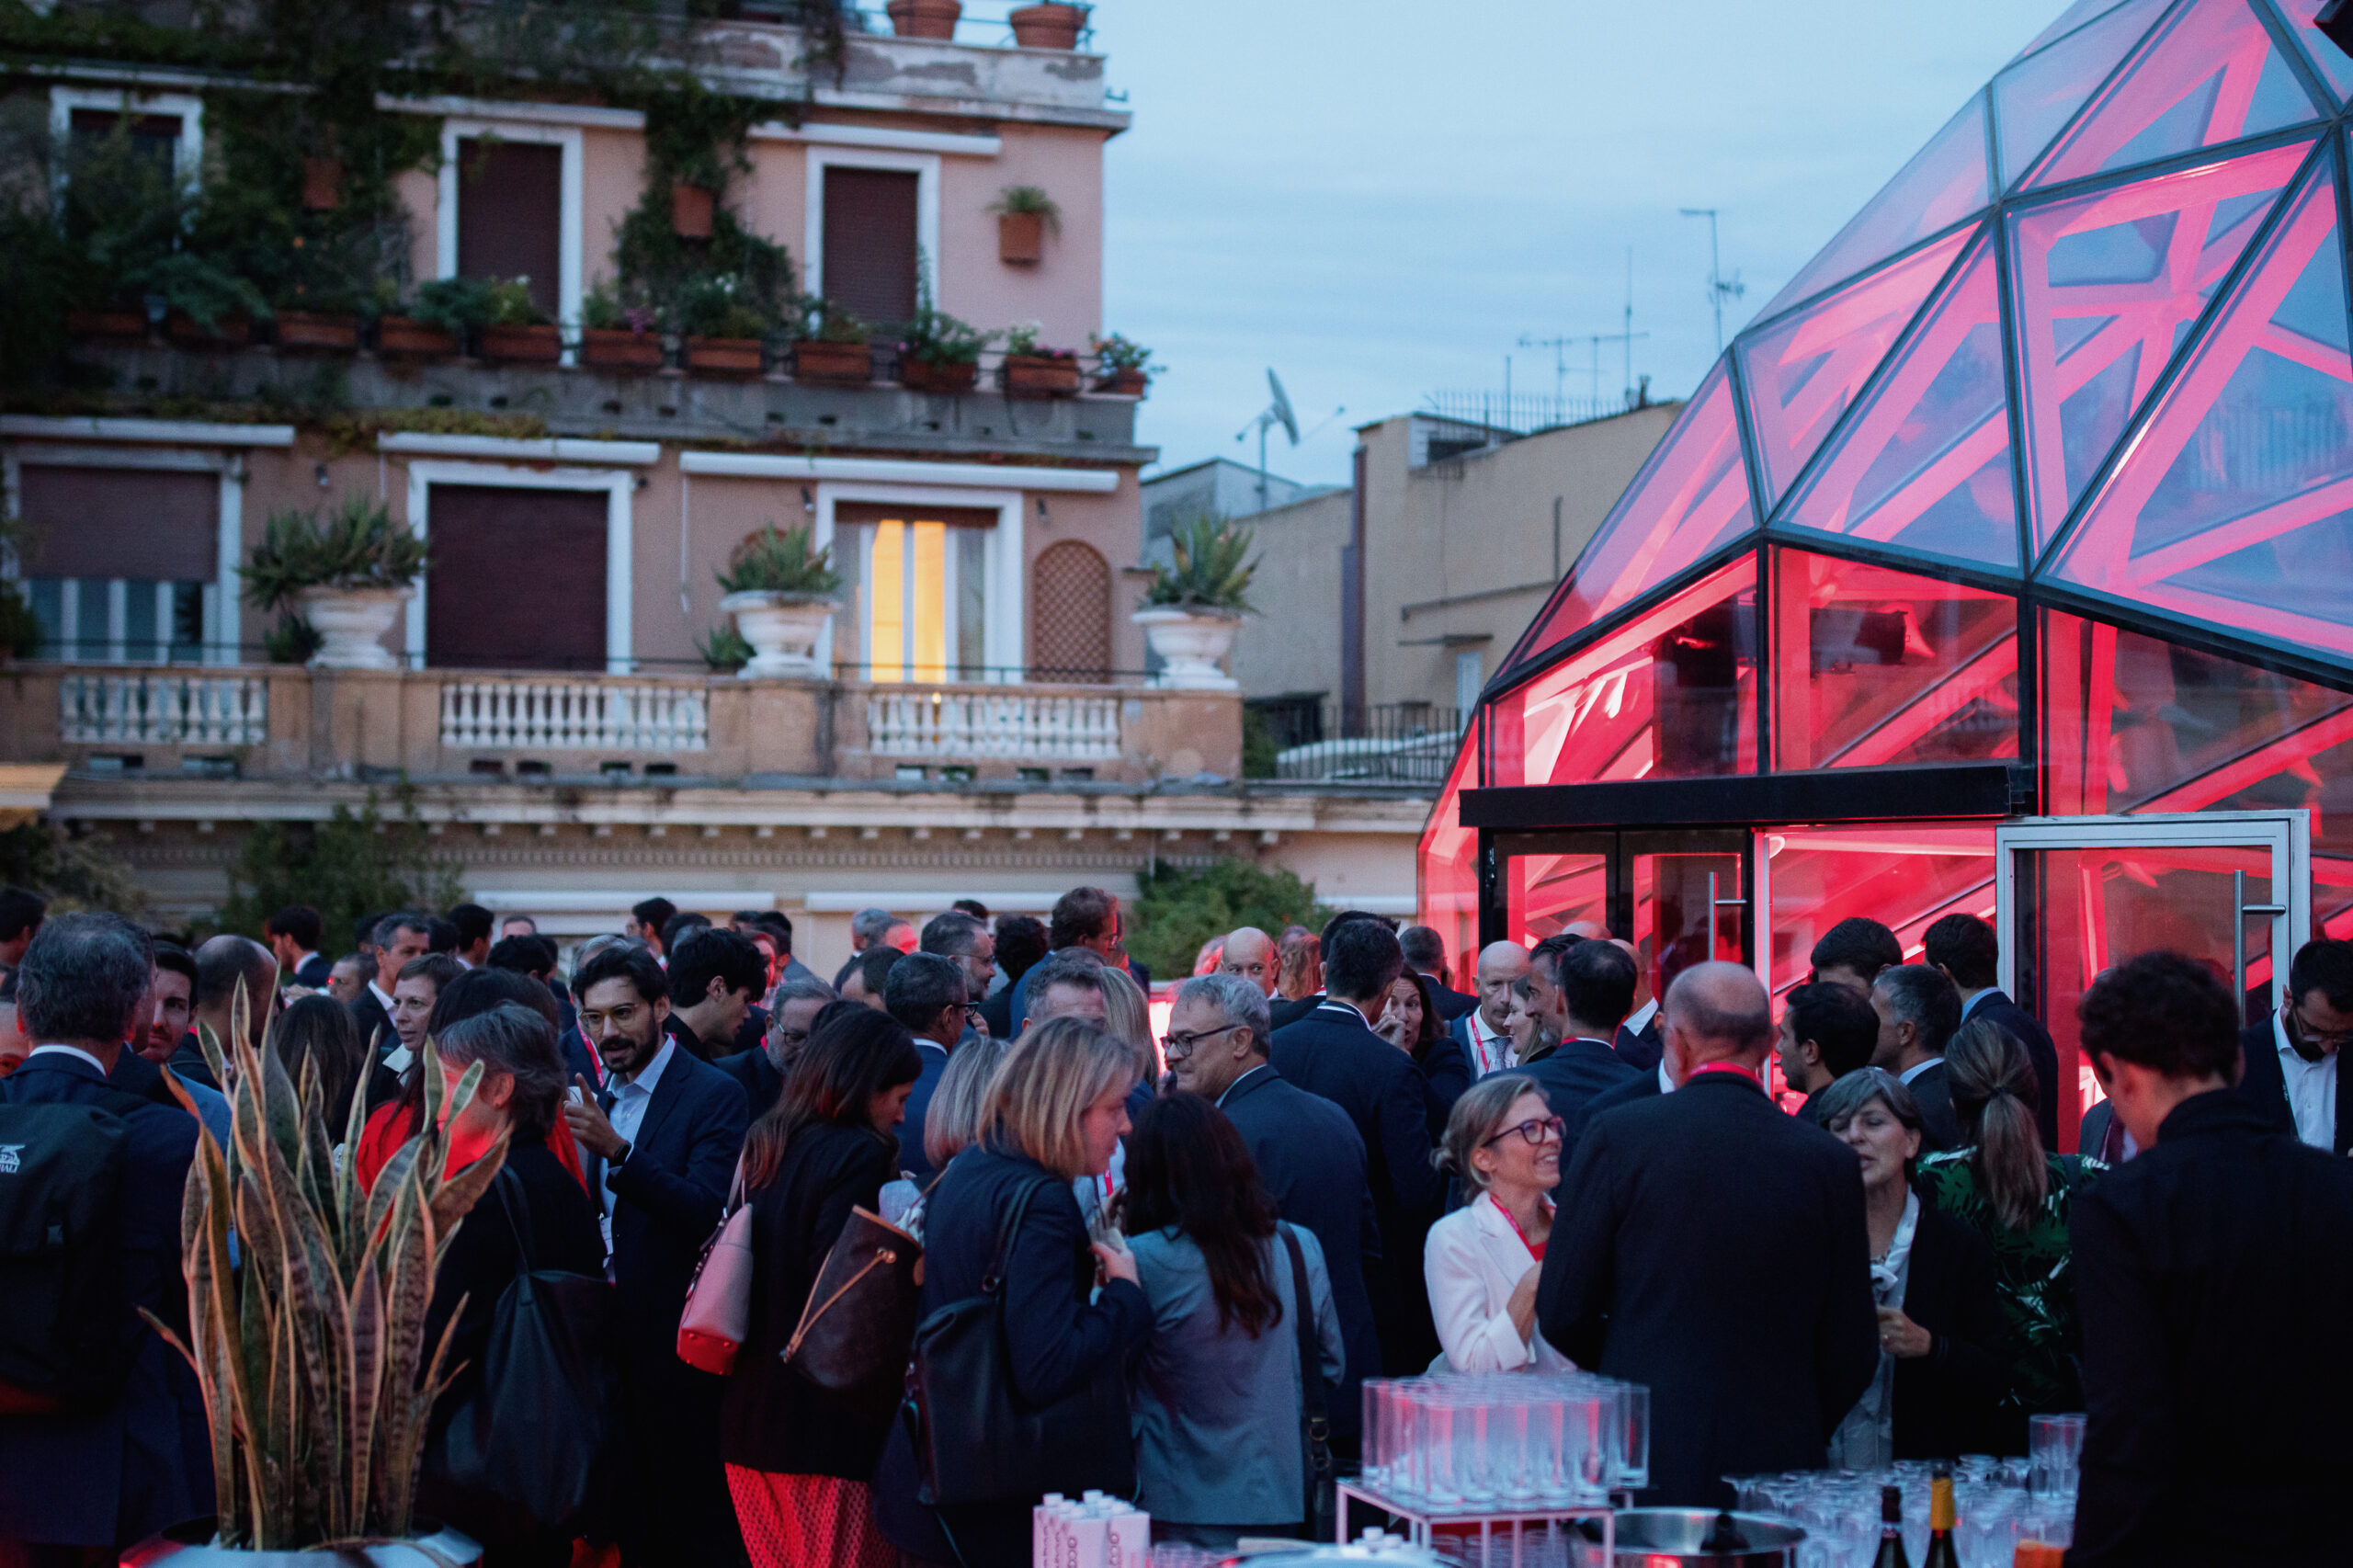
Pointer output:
1640, 1018
1969, 1003
1665, 1079
2311, 1090
630, 1101
1490, 1051
1916, 1069
1472, 1261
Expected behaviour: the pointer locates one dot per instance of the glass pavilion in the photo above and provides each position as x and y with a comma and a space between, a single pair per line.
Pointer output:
2004, 564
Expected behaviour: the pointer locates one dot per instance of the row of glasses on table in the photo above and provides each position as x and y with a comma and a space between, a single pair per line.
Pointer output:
1998, 1504
1504, 1442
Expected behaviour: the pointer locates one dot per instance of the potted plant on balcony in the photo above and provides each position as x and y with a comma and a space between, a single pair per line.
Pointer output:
723, 332
925, 18
1192, 610
1122, 366
1052, 25
1033, 370
518, 332
1023, 214
614, 337
831, 345
781, 592
348, 575
939, 354
307, 1333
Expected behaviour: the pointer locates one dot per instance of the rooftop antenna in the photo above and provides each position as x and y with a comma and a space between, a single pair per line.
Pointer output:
1720, 287
1276, 413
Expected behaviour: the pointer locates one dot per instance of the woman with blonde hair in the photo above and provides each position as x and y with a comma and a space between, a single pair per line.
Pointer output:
951, 1124
1127, 1013
1004, 1214
1482, 1261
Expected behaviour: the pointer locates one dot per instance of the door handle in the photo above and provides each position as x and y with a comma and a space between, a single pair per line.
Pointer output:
2241, 909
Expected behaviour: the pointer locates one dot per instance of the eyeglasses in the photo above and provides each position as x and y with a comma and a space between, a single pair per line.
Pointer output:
1535, 1131
2311, 1036
1181, 1045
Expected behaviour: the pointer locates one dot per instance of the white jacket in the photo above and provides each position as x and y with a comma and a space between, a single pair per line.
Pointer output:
1473, 1261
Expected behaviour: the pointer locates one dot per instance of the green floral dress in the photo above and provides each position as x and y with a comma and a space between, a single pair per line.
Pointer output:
2031, 1277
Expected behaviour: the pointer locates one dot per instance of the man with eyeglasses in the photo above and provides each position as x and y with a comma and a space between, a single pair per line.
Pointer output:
761, 1071
927, 993
2291, 1057
1309, 1154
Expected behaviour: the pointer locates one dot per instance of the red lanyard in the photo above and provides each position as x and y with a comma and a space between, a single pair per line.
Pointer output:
1535, 1249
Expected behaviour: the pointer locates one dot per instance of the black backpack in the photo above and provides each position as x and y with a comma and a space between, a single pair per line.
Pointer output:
66, 1333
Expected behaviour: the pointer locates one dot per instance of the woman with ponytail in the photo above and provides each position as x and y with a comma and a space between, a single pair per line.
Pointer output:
2004, 1184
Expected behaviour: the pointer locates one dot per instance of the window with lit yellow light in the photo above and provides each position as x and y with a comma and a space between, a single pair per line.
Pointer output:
916, 579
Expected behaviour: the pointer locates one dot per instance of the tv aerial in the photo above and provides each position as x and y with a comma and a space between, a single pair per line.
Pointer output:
1276, 413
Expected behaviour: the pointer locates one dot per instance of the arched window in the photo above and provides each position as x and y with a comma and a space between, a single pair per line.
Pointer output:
1070, 614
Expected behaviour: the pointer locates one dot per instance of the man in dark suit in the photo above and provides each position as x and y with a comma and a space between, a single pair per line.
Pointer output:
2214, 1275
223, 964
761, 1073
293, 934
1426, 956
1484, 1032
926, 992
2295, 1078
1333, 1053
399, 937
1700, 1224
966, 941
1918, 1009
1591, 987
1309, 1155
715, 976
87, 1484
661, 1138
1969, 952
1827, 1031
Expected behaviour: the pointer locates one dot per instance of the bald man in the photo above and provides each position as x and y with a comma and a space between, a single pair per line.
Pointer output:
220, 964
1668, 1196
1251, 954
1484, 1032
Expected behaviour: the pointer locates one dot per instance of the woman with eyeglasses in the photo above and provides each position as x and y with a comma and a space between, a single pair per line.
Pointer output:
1483, 1260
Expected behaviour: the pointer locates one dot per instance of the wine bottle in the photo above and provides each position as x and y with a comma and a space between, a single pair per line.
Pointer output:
1891, 1529
1941, 1551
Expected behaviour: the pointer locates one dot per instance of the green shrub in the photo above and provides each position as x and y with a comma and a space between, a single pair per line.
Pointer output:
1178, 910
1210, 573
353, 864
724, 650
780, 561
359, 547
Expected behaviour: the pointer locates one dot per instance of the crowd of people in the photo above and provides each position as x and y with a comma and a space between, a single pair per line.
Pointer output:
1843, 1235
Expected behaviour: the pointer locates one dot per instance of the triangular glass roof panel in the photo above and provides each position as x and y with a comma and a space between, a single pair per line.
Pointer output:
1690, 499
2233, 507
2209, 74
1801, 373
2106, 287
1923, 466
1944, 183
2034, 100
2335, 68
2074, 17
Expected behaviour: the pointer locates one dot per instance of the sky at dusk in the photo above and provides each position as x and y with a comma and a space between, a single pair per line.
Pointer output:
1380, 198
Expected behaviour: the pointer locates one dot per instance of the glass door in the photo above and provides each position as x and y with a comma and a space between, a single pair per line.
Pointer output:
2076, 895
1678, 895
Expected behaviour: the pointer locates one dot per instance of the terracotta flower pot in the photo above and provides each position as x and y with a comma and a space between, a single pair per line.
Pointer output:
1038, 375
617, 348
724, 356
692, 208
226, 331
317, 332
402, 337
1021, 238
1048, 26
322, 183
925, 18
1125, 383
923, 376
844, 364
522, 344
129, 326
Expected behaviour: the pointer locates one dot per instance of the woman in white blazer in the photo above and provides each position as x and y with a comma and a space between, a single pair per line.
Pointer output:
1483, 1260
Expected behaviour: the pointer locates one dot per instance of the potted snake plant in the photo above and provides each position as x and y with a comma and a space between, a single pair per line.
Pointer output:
1191, 612
781, 592
348, 576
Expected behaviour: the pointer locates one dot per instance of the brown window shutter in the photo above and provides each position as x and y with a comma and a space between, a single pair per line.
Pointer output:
517, 580
510, 214
869, 257
146, 525
1070, 614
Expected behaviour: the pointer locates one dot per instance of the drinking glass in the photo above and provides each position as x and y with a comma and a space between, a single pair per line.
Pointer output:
2056, 1446
1634, 1414
1474, 1454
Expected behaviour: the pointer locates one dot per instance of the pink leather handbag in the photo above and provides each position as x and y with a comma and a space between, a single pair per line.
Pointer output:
719, 1302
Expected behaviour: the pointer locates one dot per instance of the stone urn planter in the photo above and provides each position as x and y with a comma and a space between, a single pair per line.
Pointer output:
1048, 26
782, 629
925, 18
1191, 643
191, 1546
352, 624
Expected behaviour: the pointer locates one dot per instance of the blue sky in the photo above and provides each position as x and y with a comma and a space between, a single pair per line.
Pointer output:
1378, 198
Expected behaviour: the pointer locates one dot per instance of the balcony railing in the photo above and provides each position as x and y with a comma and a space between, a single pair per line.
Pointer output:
572, 715
1010, 728
1406, 743
162, 709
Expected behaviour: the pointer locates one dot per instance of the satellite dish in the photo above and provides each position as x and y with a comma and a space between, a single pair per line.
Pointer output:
1279, 410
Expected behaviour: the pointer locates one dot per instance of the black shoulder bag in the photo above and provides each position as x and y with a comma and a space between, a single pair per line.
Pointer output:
1322, 1518
976, 1439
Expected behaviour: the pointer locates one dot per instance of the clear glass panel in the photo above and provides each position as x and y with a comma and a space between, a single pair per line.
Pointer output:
2108, 288
188, 621
1925, 463
1674, 925
1670, 695
47, 596
141, 634
1691, 497
2236, 506
2335, 68
2209, 74
1907, 876
1944, 183
1801, 373
886, 619
971, 602
93, 635
1547, 890
1448, 857
2074, 17
1874, 667
2034, 100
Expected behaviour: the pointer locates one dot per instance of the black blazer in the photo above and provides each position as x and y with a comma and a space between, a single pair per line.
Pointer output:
187, 1060
752, 1033
1055, 1340
1446, 1074
1642, 1086
1642, 1048
1333, 1054
1451, 1003
758, 1077
911, 1156
1282, 1013
1311, 1159
1999, 1010
1945, 1401
2265, 1087
2214, 1274
1940, 1125
775, 1420
996, 1011
373, 1022
1576, 1072
668, 1196
315, 971
1698, 1226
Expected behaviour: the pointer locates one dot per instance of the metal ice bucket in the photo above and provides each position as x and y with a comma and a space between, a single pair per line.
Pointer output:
1703, 1537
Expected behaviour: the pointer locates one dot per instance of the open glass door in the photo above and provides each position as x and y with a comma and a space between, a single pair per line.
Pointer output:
2078, 895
